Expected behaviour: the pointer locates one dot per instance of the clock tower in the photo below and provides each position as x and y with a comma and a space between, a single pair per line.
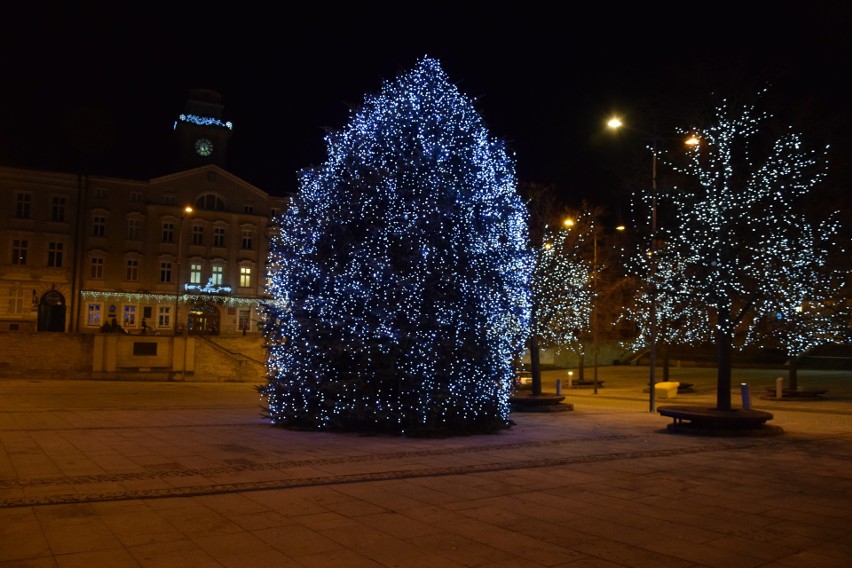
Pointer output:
200, 132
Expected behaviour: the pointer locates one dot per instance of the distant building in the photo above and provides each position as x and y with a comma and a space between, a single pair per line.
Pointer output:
77, 251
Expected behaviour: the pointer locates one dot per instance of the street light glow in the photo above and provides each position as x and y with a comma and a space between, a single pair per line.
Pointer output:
615, 122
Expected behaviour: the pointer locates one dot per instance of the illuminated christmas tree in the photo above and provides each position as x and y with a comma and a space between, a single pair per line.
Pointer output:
401, 272
740, 238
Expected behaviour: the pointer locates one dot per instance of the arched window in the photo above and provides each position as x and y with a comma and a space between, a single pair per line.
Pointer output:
210, 202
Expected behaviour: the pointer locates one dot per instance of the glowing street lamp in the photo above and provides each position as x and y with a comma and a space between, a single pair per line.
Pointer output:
184, 214
593, 316
615, 123
595, 303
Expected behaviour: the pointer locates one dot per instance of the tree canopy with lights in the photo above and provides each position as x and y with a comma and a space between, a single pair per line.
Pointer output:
563, 288
400, 278
742, 244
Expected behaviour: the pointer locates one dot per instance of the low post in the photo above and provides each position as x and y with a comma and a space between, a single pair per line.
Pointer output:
570, 379
558, 386
746, 396
779, 388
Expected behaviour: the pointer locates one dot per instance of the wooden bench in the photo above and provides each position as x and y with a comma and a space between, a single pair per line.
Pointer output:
697, 419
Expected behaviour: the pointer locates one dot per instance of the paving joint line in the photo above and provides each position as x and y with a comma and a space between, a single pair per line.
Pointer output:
217, 489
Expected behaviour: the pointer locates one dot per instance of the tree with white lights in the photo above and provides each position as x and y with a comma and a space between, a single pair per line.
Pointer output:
679, 316
563, 287
401, 288
578, 286
740, 233
806, 316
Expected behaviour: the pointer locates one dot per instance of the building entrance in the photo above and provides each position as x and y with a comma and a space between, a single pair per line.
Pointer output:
203, 319
51, 312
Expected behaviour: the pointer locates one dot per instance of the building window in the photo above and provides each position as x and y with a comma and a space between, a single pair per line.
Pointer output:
19, 251
129, 316
100, 193
16, 301
97, 270
217, 275
165, 272
54, 255
244, 322
135, 197
132, 273
247, 239
164, 316
169, 199
98, 225
93, 315
134, 229
22, 206
195, 273
248, 208
168, 232
210, 202
197, 235
245, 277
218, 236
57, 211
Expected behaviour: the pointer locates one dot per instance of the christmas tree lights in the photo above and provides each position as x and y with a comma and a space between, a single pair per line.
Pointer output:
400, 274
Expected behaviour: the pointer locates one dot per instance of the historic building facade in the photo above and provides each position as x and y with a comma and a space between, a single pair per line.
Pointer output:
185, 252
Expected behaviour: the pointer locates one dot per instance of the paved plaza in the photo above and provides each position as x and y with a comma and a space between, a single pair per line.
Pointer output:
126, 474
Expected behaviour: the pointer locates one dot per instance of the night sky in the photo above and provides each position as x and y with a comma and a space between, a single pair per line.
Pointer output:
97, 90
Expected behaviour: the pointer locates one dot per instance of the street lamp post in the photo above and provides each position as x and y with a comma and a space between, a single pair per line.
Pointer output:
594, 323
652, 352
186, 211
595, 308
616, 123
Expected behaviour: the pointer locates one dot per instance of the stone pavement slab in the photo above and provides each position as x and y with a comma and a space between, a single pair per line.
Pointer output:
120, 474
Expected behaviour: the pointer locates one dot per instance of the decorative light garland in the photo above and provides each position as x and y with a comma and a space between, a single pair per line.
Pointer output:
208, 288
162, 298
204, 121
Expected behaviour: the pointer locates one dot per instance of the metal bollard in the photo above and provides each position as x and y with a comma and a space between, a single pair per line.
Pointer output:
746, 396
558, 386
779, 387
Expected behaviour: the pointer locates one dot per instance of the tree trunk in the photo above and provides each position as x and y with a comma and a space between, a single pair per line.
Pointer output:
535, 364
794, 374
723, 381
581, 375
665, 349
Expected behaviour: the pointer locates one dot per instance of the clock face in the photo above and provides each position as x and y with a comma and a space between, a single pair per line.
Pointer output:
204, 147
